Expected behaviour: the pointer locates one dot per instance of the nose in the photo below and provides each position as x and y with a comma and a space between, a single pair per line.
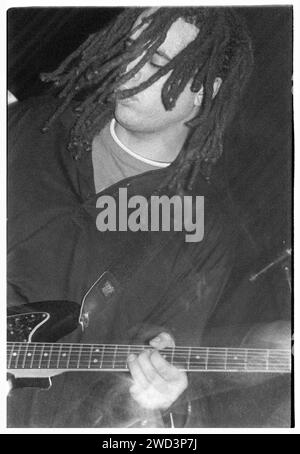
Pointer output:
137, 76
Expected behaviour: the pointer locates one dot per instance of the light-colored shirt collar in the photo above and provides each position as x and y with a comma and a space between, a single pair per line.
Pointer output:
134, 155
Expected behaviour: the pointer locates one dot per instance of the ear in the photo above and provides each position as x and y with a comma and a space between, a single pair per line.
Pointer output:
216, 88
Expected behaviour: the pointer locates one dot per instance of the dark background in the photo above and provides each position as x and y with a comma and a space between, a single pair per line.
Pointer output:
256, 168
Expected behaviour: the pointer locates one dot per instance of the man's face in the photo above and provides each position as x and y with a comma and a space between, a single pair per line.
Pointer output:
144, 112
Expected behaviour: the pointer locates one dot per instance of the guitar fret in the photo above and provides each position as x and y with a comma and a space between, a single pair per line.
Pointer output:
33, 355
247, 358
128, 353
50, 355
73, 357
90, 357
64, 356
236, 359
106, 362
114, 357
268, 356
102, 357
28, 358
79, 356
198, 359
17, 356
58, 356
188, 362
41, 357
120, 357
95, 359
85, 357
55, 353
10, 356
24, 355
69, 356
45, 356
226, 357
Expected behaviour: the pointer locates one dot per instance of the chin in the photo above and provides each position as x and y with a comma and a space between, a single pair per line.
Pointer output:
133, 120
126, 117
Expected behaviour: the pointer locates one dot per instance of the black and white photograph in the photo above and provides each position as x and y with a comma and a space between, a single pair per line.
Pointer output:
150, 154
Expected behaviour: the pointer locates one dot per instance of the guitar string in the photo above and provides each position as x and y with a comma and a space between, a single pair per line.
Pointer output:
176, 356
144, 347
176, 359
124, 367
198, 357
273, 356
106, 363
196, 365
231, 357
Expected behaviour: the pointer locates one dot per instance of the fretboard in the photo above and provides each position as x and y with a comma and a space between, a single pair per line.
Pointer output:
107, 357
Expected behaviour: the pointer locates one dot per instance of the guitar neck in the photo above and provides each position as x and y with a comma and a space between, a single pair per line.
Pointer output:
107, 357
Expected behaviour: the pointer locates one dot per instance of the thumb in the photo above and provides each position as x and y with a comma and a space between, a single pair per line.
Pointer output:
161, 341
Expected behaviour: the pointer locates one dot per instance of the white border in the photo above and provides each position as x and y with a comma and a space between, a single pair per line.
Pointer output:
26, 3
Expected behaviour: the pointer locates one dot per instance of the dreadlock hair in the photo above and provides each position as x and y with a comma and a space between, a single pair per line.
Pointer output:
97, 68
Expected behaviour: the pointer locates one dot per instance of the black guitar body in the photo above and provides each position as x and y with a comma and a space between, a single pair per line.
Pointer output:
46, 321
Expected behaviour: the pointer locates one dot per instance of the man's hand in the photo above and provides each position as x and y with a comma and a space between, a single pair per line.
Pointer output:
157, 384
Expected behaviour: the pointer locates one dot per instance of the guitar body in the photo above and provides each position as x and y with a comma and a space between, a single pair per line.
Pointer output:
47, 321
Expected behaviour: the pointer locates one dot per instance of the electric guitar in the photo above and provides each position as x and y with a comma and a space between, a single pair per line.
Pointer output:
30, 358
31, 362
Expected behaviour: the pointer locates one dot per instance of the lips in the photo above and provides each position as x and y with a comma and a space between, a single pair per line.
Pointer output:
127, 100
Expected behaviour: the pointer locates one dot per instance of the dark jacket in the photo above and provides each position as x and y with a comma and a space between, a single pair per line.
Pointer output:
55, 251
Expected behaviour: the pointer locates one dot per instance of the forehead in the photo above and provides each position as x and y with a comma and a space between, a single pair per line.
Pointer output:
179, 35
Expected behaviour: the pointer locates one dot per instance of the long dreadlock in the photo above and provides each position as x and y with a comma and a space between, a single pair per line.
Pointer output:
222, 49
